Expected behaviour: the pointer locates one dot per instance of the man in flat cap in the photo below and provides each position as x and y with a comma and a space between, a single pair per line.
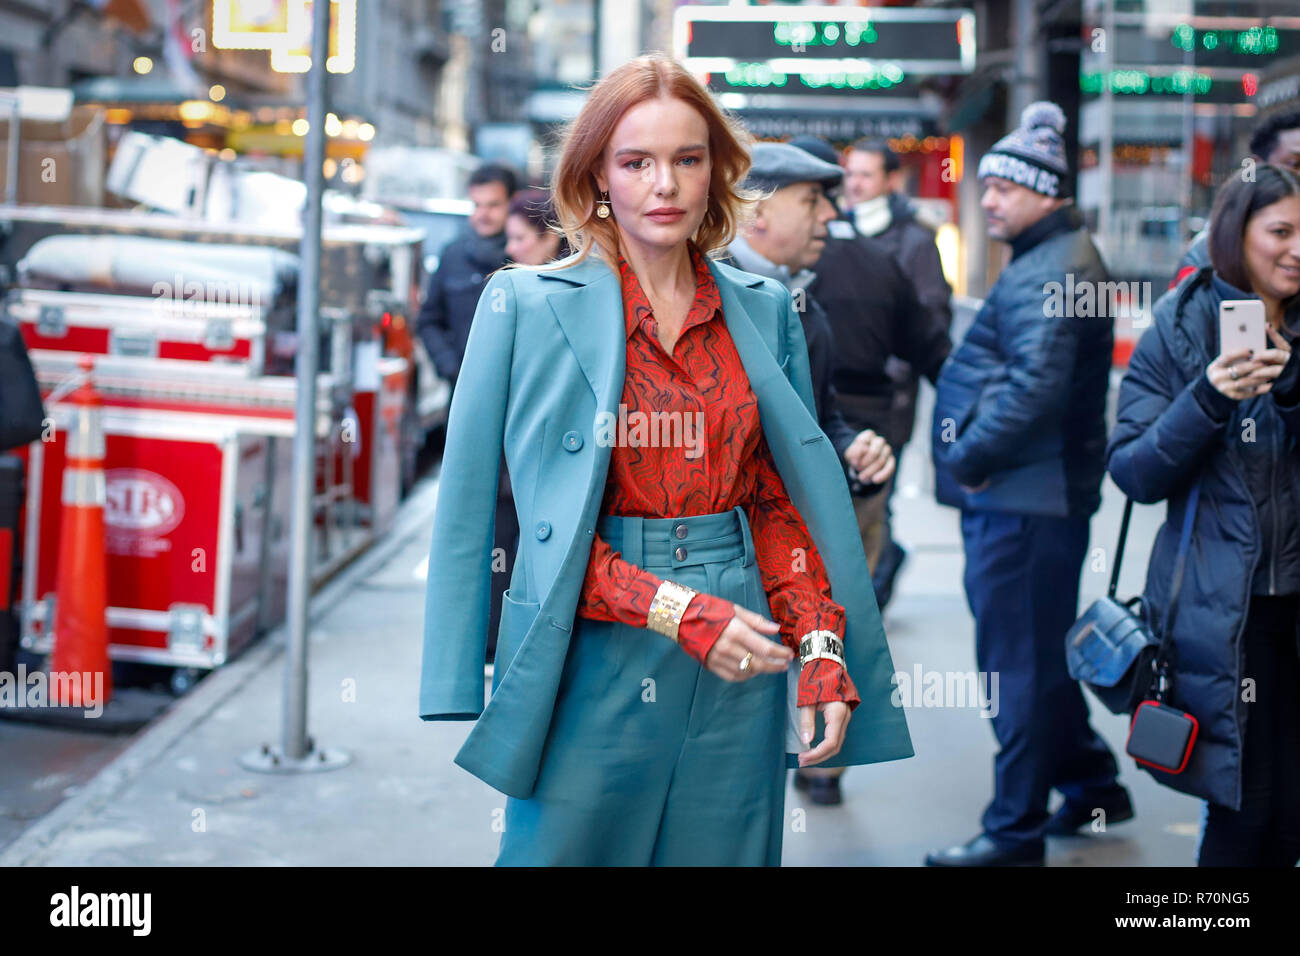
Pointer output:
784, 240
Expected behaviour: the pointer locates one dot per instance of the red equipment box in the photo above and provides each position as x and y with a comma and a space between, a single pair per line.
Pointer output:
196, 534
160, 333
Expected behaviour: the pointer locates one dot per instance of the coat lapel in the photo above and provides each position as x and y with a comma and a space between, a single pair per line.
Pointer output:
588, 305
758, 348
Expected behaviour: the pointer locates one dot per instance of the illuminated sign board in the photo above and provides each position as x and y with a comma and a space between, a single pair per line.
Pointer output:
250, 24
284, 28
852, 45
295, 56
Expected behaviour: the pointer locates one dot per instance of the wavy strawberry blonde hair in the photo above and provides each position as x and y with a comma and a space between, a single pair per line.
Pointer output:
574, 183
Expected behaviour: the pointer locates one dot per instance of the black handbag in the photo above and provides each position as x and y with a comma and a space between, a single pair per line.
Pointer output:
1111, 647
22, 416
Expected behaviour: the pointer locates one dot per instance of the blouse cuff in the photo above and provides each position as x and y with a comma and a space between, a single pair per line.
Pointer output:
705, 618
823, 680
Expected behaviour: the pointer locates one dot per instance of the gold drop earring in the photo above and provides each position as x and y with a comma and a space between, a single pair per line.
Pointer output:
602, 207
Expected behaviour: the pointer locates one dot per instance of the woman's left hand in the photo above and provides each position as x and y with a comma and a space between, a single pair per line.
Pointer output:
836, 714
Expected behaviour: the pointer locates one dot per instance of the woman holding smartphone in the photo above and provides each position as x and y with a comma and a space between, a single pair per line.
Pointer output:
690, 597
1188, 414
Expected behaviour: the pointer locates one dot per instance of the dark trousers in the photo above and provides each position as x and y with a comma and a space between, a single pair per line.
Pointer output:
1022, 583
1266, 830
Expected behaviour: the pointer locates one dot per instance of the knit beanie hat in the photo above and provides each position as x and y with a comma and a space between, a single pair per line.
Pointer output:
1033, 154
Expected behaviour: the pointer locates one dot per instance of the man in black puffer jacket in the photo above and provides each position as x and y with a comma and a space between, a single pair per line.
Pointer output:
1019, 443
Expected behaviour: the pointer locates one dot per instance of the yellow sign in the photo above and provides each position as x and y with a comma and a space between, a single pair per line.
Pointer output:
251, 24
284, 28
269, 141
293, 53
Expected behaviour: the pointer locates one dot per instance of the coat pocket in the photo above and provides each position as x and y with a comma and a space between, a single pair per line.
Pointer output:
516, 618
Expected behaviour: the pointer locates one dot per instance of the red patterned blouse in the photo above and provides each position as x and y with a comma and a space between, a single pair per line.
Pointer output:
704, 375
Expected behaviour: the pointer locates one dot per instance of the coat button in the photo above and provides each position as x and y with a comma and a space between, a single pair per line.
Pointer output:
680, 531
543, 530
572, 440
680, 553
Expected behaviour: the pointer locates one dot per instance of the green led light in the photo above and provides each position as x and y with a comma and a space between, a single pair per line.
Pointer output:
1138, 82
1255, 41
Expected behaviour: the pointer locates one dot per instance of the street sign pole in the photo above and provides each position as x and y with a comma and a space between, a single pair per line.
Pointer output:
298, 753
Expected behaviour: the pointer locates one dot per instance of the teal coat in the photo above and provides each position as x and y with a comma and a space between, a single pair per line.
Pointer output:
547, 353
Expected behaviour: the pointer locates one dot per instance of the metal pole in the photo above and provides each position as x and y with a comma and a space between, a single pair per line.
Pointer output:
297, 751
302, 518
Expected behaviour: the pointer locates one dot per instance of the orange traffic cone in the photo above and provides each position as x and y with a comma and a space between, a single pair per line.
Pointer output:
80, 672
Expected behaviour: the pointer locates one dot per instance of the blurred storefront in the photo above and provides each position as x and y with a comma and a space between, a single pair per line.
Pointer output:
211, 72
1175, 93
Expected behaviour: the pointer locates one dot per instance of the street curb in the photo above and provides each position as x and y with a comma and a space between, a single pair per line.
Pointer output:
211, 692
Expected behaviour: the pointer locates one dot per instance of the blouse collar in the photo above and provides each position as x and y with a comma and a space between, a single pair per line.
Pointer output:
636, 305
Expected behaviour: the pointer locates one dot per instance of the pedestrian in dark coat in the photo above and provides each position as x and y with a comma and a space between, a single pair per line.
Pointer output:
1231, 423
1019, 439
463, 270
882, 213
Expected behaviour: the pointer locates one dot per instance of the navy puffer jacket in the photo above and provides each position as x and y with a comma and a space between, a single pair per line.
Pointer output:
1174, 428
1022, 400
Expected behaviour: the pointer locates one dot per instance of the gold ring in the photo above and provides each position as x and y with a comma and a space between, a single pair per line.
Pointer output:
746, 661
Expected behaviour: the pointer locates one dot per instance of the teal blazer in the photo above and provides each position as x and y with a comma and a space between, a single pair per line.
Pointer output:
546, 353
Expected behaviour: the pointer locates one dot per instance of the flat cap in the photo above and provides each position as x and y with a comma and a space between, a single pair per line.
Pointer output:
776, 165
817, 146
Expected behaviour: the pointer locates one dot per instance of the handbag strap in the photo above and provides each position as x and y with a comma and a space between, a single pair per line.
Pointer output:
1175, 590
1119, 548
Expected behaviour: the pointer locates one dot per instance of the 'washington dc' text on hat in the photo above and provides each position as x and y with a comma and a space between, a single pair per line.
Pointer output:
1033, 154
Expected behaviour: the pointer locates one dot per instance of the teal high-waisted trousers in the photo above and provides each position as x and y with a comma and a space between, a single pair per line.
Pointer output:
650, 758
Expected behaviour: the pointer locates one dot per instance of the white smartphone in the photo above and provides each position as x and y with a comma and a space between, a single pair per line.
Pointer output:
1242, 325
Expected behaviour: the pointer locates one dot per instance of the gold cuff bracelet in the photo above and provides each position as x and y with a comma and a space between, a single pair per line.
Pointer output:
667, 608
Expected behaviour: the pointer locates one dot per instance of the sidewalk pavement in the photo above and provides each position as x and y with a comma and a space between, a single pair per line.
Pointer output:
178, 796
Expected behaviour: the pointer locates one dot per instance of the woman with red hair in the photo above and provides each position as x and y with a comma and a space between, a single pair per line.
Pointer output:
669, 644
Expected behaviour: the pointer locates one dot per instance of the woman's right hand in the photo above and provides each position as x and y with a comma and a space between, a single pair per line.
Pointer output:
1254, 372
744, 635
